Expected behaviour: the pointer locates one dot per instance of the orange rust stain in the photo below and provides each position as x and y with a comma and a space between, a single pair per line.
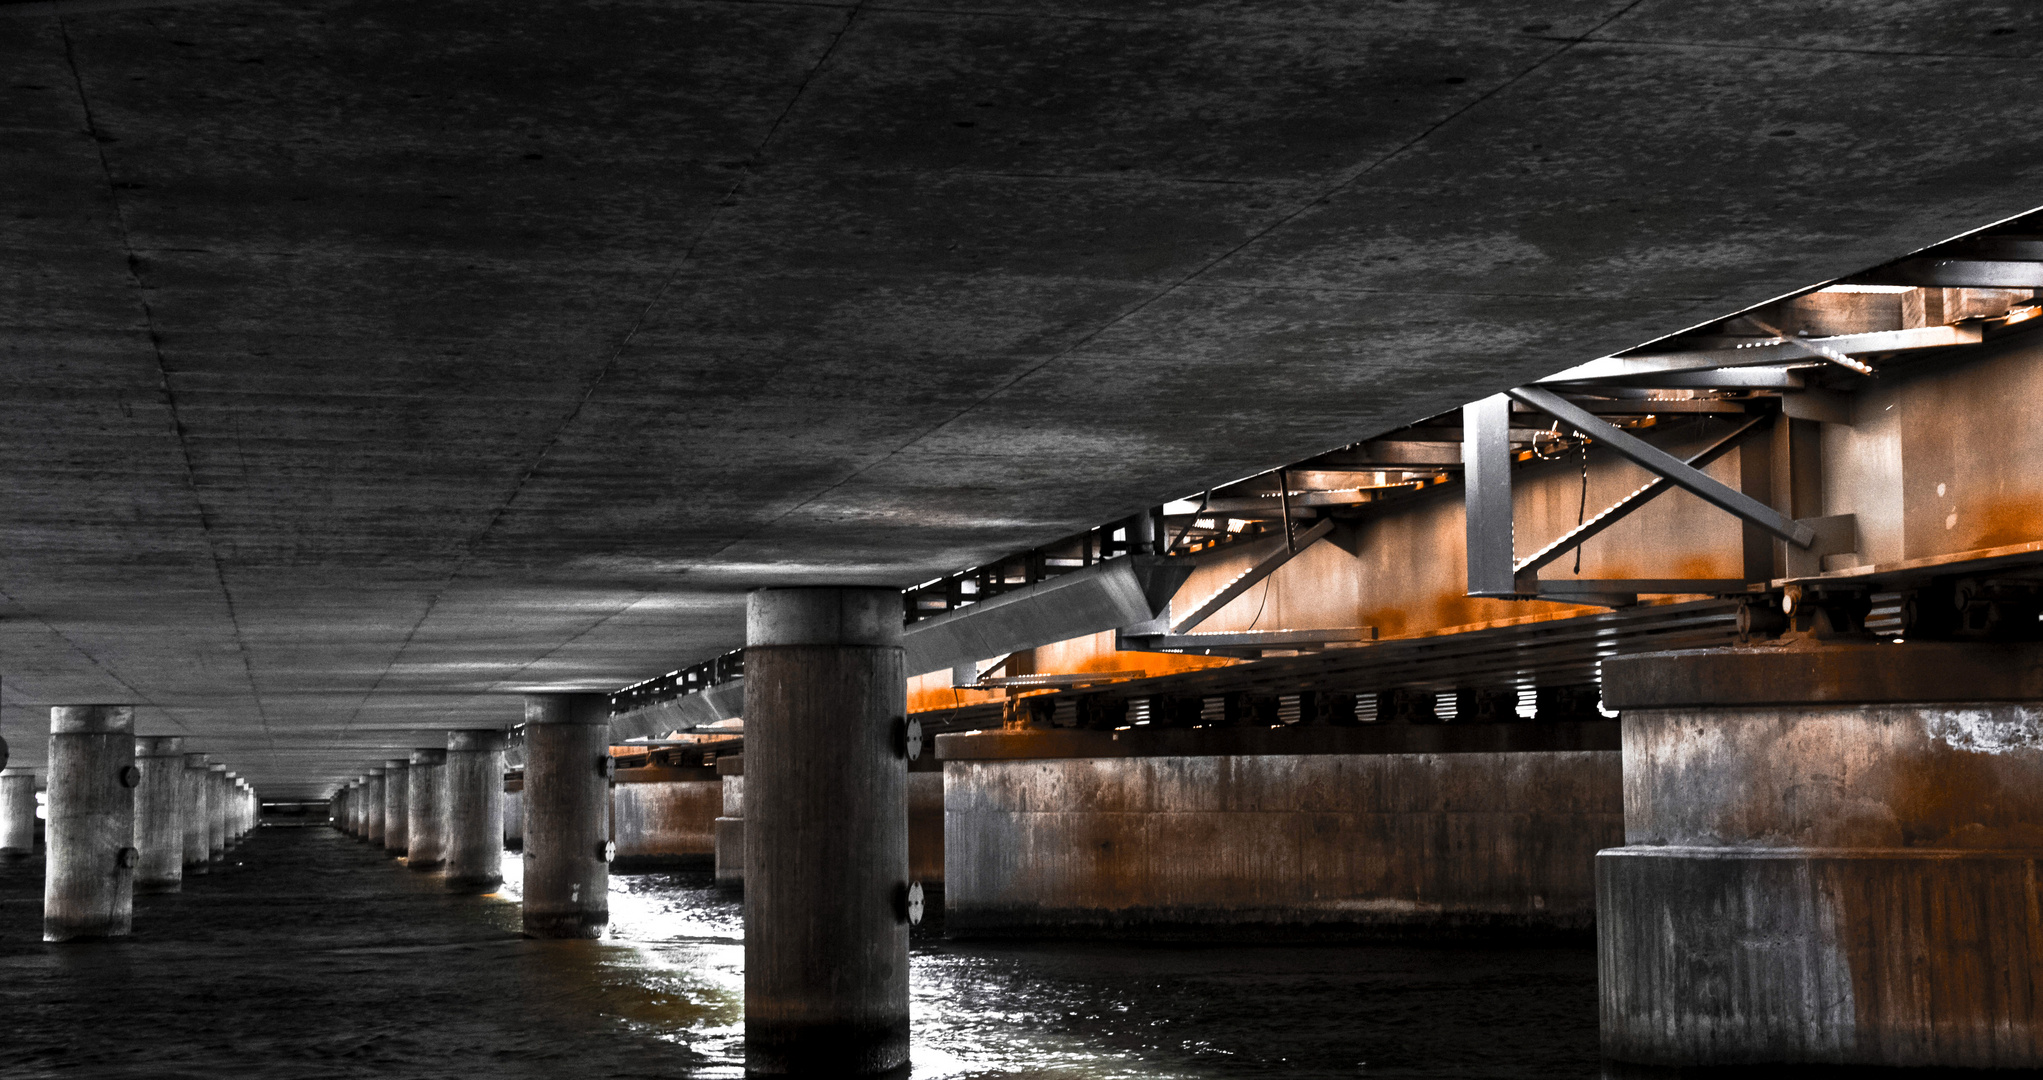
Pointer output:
2001, 522
1713, 565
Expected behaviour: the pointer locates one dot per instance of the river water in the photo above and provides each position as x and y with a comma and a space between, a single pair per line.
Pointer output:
312, 955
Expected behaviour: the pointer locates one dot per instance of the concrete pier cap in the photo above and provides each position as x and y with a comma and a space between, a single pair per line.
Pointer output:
823, 616
1830, 857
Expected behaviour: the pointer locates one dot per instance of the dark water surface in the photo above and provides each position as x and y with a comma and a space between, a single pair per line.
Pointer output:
314, 956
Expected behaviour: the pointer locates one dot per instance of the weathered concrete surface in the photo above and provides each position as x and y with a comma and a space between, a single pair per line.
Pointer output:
1831, 882
727, 834
396, 805
428, 810
198, 813
471, 799
566, 802
826, 834
1364, 844
17, 813
665, 817
89, 878
481, 386
160, 814
730, 824
514, 815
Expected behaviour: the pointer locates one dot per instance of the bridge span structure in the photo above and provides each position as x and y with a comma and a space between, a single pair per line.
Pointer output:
1530, 471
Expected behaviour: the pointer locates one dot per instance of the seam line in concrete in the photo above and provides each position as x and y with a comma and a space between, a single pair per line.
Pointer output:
191, 482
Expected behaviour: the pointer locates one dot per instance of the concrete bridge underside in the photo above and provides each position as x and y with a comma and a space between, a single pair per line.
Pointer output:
368, 363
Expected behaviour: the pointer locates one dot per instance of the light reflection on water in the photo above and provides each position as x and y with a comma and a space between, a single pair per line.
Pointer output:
315, 957
671, 967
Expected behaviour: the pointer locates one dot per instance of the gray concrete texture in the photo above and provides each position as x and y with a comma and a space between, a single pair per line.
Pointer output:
1833, 881
366, 363
1368, 844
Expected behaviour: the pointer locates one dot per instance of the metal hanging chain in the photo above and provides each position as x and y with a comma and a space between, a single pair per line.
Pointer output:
1582, 508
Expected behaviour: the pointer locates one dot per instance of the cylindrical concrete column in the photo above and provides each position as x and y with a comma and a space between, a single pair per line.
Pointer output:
89, 882
160, 814
567, 815
216, 812
17, 813
514, 813
826, 833
197, 813
474, 818
231, 787
425, 814
396, 805
373, 791
1831, 857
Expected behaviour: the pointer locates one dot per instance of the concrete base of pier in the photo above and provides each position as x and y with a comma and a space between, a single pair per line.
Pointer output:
664, 817
1317, 832
1820, 870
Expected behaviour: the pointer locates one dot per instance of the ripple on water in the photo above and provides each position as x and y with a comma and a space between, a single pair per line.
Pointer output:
315, 956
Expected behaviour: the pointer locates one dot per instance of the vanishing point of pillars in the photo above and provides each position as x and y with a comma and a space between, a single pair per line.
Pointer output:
826, 833
567, 845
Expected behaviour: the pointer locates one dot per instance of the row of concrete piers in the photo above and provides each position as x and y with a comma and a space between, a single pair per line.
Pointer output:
1810, 849
123, 815
440, 809
825, 839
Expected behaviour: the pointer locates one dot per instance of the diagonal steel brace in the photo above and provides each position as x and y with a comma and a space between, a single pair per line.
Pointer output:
1662, 463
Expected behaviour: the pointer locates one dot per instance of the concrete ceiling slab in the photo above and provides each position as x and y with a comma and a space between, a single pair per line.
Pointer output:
364, 363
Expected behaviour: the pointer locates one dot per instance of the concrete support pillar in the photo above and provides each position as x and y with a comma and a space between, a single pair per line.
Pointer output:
425, 816
358, 814
216, 812
567, 815
1831, 857
230, 816
160, 814
826, 833
196, 813
514, 813
17, 813
89, 883
474, 818
396, 805
730, 826
373, 795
